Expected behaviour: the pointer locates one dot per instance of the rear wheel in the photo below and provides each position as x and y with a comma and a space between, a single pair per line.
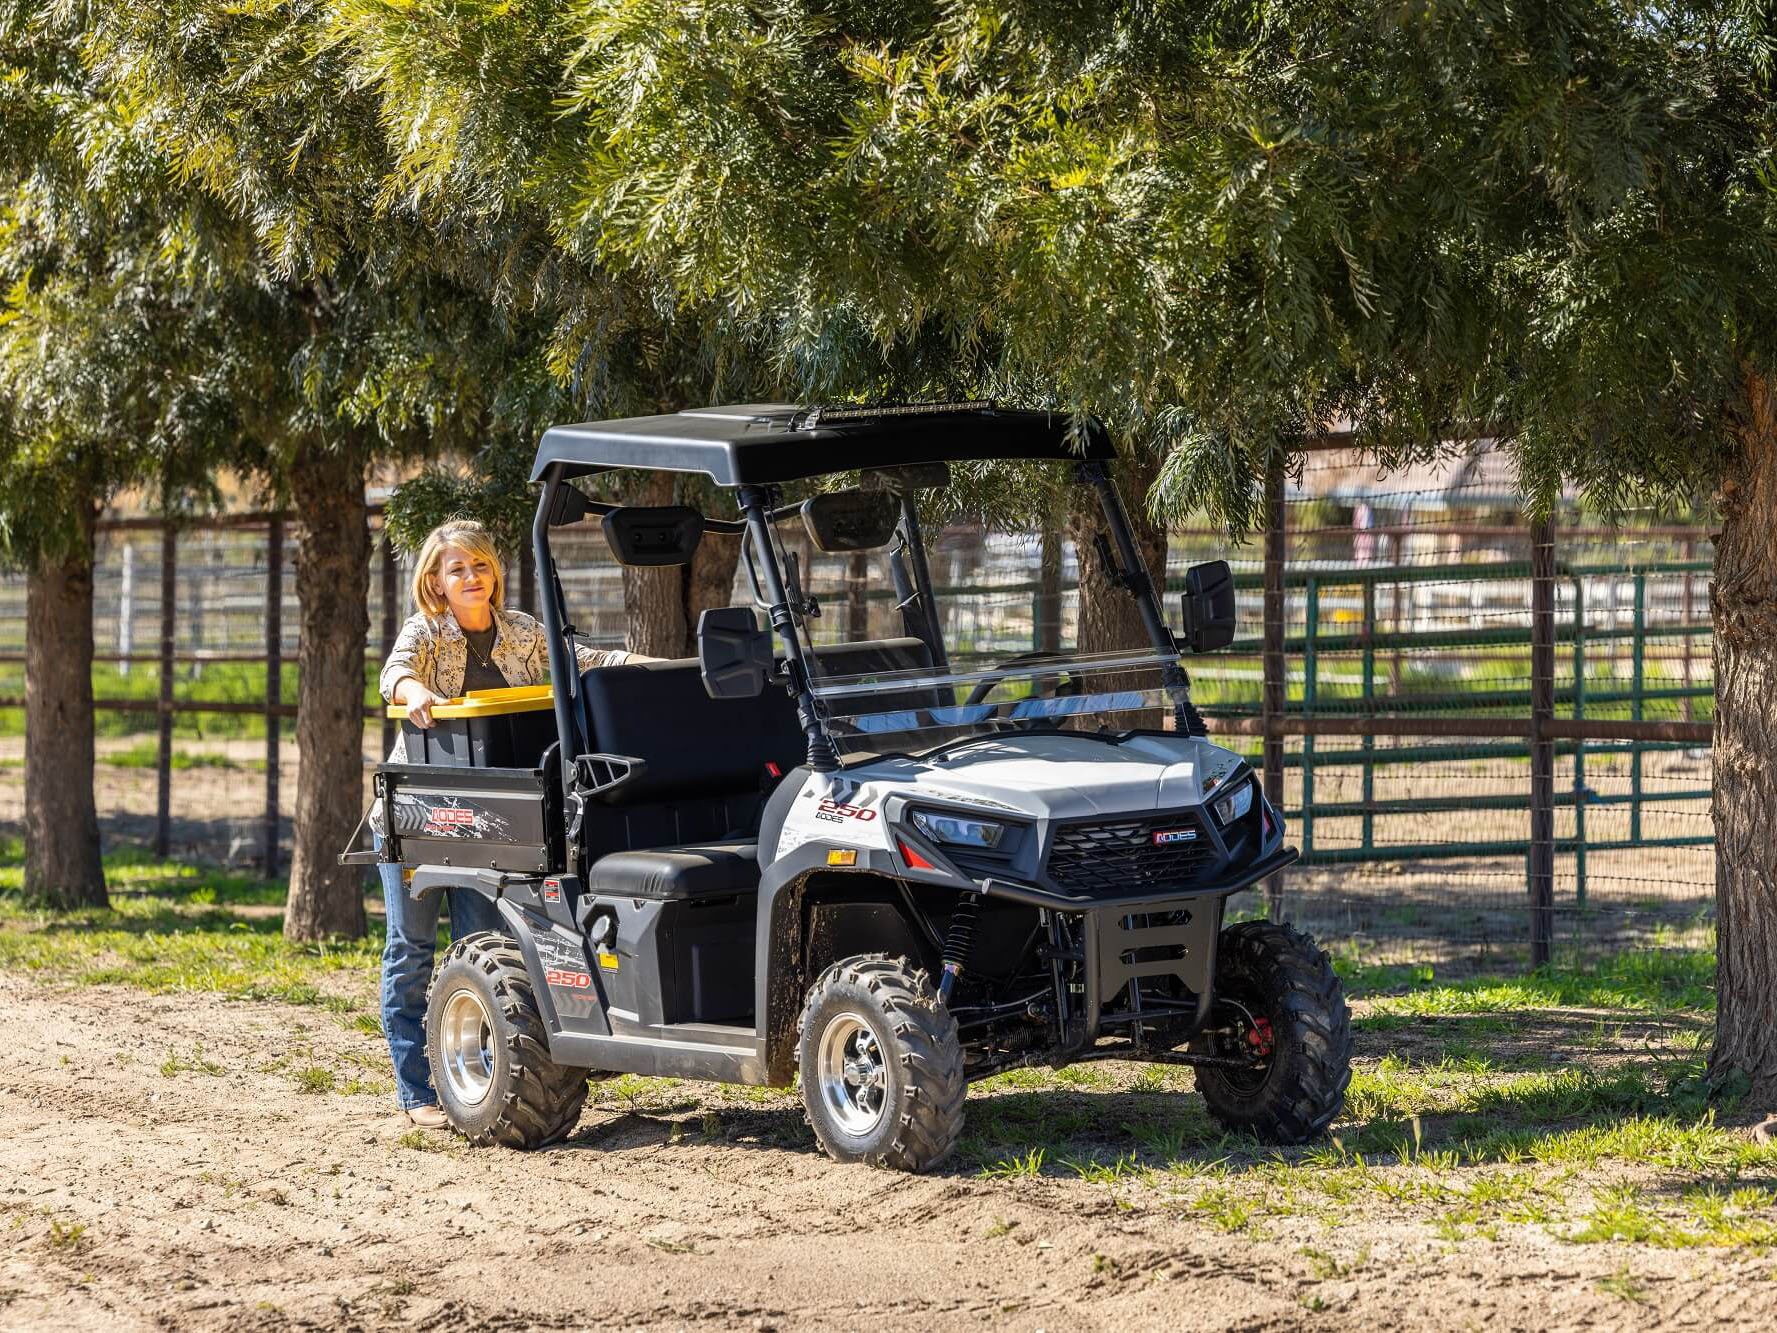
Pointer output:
489, 1055
881, 1065
1281, 1011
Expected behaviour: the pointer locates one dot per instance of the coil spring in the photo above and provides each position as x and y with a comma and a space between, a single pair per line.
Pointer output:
959, 942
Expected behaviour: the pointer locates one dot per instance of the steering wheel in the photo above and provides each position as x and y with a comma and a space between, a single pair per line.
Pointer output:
1064, 684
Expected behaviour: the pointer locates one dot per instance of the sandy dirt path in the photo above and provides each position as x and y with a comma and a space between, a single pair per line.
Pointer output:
216, 1197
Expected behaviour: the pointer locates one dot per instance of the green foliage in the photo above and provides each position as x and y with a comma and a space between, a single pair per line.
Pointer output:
1220, 225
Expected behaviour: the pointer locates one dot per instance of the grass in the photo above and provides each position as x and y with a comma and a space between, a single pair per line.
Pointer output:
173, 928
196, 1063
146, 754
1644, 981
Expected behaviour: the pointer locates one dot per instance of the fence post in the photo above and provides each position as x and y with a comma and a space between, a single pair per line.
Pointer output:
126, 612
1690, 554
1369, 741
1310, 693
1579, 748
391, 604
163, 802
1271, 704
1542, 746
527, 580
857, 610
1047, 609
274, 688
1638, 683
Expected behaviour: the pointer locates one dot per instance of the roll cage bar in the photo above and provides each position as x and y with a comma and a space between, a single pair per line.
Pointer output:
761, 506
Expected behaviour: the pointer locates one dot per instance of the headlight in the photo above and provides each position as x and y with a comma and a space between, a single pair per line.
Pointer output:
957, 830
1235, 804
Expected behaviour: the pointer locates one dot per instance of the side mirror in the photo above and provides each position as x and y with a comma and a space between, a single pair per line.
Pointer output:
851, 520
654, 534
733, 653
1208, 606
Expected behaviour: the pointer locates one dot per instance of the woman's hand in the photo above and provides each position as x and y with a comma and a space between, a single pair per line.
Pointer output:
418, 701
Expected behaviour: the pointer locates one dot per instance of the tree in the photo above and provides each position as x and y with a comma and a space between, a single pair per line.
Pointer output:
349, 337
87, 408
1225, 227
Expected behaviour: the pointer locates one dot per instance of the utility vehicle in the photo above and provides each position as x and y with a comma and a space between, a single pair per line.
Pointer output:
882, 865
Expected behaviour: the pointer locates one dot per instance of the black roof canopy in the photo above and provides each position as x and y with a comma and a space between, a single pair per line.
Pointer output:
760, 443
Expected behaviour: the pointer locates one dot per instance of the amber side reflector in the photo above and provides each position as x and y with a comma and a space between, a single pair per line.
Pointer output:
839, 858
914, 860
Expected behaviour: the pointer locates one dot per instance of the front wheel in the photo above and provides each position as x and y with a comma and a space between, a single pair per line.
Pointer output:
1281, 1011
489, 1055
881, 1065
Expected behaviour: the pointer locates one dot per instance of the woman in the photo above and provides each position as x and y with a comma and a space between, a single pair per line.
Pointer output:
462, 639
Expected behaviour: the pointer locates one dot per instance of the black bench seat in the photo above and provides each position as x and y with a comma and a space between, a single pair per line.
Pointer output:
676, 874
685, 826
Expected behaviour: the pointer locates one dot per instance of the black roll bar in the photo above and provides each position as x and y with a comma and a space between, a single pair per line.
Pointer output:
563, 665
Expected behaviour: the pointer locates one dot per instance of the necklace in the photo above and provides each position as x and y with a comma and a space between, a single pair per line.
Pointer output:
486, 659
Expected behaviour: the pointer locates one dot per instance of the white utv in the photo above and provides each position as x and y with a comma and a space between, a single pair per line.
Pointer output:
872, 865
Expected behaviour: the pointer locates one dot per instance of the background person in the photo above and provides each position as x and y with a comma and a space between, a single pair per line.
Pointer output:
461, 639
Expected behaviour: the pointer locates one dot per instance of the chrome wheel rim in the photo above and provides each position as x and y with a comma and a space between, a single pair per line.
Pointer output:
466, 1047
853, 1075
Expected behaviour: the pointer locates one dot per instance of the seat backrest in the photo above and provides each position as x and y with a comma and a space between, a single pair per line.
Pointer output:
709, 760
694, 745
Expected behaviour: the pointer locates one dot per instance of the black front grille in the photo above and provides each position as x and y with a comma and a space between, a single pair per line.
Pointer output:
1123, 856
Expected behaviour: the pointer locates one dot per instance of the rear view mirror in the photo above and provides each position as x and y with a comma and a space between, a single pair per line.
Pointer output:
851, 520
654, 535
1208, 605
733, 653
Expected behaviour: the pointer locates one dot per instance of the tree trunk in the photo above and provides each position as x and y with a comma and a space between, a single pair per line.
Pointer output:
709, 581
1743, 603
654, 596
332, 588
662, 603
62, 865
1109, 617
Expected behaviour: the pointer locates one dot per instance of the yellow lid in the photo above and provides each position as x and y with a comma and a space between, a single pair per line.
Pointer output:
491, 703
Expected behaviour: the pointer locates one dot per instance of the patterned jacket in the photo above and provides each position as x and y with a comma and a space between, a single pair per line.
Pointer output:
434, 650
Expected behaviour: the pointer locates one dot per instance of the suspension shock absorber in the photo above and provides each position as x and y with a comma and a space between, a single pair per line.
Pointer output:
959, 942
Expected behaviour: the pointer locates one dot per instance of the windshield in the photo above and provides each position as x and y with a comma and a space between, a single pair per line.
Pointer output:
884, 711
976, 634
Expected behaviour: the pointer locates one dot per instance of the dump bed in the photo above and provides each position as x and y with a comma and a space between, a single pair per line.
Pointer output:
476, 791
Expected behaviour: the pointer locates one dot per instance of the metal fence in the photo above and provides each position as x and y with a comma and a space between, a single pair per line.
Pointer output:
1490, 740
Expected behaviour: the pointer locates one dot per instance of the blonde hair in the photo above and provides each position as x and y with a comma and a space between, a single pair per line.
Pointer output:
467, 535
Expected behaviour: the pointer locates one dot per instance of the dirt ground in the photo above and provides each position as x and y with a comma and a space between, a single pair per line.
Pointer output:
157, 1171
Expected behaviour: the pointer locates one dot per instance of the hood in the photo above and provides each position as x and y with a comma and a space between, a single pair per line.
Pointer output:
1057, 775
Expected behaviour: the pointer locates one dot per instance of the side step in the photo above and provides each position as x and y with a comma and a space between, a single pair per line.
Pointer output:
712, 1052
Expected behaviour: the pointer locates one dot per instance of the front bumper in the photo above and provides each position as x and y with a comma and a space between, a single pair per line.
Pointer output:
1122, 940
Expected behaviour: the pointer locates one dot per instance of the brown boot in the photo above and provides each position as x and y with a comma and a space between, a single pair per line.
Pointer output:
428, 1117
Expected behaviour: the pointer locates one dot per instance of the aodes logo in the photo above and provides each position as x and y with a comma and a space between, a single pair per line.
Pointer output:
836, 812
1169, 837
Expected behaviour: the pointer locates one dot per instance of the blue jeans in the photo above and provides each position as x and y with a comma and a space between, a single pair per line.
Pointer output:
407, 972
